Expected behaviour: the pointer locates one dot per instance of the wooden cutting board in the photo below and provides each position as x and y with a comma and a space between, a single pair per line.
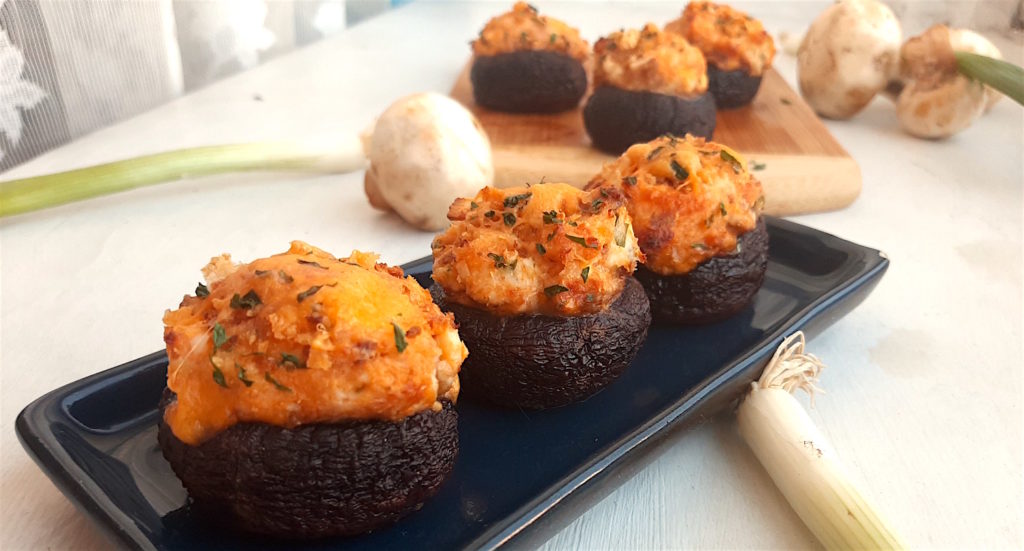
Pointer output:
802, 167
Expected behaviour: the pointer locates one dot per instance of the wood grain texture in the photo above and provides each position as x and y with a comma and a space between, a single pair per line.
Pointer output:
802, 166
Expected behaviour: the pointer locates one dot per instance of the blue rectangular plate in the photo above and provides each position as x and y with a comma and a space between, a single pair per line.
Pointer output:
520, 475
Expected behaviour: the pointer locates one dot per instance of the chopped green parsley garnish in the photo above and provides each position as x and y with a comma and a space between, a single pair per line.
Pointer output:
554, 290
736, 166
581, 241
241, 375
400, 342
291, 359
219, 336
247, 301
218, 377
274, 382
516, 199
312, 263
680, 172
500, 262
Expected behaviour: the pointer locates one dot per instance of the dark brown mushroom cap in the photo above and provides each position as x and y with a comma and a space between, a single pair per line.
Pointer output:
316, 480
528, 82
537, 361
732, 88
716, 289
616, 119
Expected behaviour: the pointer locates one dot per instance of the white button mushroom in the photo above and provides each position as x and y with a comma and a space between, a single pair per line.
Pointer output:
426, 150
847, 56
936, 101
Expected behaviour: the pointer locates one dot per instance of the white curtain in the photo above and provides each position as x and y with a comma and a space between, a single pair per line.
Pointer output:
69, 67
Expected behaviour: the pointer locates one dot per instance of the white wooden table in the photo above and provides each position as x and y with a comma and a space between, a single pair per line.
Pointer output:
924, 379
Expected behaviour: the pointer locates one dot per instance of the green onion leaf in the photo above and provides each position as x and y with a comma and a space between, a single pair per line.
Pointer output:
1005, 77
699, 246
202, 290
261, 273
284, 277
39, 192
473, 205
551, 217
721, 208
630, 180
541, 249
585, 274
510, 219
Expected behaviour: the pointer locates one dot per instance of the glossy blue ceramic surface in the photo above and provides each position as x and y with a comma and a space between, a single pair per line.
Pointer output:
520, 474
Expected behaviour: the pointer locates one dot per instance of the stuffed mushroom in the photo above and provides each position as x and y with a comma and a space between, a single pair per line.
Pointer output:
539, 279
736, 46
696, 211
309, 396
524, 62
647, 83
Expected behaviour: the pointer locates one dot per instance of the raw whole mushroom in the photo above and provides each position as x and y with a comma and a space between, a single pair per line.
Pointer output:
847, 56
426, 150
936, 100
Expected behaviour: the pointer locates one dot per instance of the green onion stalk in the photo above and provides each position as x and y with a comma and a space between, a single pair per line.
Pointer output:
40, 192
1004, 77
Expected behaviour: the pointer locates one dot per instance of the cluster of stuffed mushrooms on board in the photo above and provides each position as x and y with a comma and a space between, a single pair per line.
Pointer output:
312, 396
646, 82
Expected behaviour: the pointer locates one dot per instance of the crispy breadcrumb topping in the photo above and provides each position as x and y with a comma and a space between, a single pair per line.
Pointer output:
649, 60
547, 248
689, 199
304, 337
523, 29
728, 38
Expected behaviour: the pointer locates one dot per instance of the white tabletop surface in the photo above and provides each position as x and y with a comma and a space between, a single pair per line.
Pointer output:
924, 381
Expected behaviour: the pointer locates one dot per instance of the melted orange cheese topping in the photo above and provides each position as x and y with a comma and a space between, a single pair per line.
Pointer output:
649, 60
689, 199
523, 29
548, 248
302, 337
729, 38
